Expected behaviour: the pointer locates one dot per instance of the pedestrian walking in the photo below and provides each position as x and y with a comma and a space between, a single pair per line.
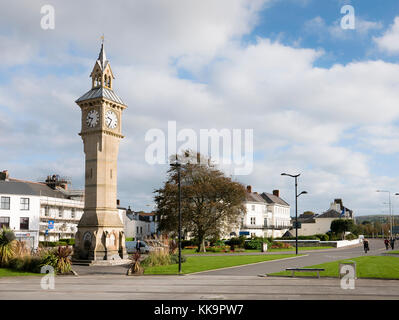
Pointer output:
138, 246
386, 242
392, 242
366, 245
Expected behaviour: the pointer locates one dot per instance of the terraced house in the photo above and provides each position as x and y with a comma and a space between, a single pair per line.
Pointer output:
39, 211
268, 215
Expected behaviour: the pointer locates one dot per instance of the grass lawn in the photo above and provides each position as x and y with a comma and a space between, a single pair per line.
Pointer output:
4, 272
193, 251
382, 267
396, 251
203, 263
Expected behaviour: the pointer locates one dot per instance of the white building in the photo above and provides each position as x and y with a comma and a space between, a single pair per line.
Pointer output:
138, 225
312, 224
39, 211
267, 215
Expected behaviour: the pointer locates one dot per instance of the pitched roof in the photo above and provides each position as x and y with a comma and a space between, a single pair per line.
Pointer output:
254, 197
19, 187
271, 198
330, 214
101, 92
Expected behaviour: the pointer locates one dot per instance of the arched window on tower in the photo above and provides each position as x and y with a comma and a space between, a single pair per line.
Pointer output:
105, 80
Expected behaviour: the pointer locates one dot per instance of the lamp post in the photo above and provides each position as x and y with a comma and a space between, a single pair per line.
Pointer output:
177, 165
390, 210
296, 207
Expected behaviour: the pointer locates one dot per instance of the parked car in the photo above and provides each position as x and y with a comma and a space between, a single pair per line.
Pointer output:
144, 247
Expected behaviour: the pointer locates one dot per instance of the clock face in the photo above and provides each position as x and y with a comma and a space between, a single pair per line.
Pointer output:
92, 118
111, 119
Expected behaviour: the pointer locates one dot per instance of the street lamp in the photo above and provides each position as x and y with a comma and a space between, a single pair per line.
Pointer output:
296, 207
177, 165
390, 210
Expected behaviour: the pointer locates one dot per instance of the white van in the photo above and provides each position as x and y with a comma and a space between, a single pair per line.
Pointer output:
144, 247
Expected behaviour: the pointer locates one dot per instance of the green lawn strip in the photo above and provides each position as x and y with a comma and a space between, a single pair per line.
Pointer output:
4, 272
193, 251
203, 263
395, 252
381, 267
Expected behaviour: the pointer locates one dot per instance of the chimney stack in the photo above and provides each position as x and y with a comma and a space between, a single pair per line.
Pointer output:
249, 189
276, 193
4, 175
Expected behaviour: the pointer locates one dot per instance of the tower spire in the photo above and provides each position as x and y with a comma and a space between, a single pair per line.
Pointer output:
102, 57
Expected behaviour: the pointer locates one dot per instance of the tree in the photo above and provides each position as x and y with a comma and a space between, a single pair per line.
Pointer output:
308, 213
210, 202
340, 226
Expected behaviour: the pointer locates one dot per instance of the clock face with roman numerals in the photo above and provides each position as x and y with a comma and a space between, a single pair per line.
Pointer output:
92, 118
111, 120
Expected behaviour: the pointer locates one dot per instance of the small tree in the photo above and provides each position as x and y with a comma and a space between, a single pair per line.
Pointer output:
340, 226
7, 246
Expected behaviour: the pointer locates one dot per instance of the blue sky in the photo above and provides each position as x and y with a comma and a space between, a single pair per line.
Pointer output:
321, 100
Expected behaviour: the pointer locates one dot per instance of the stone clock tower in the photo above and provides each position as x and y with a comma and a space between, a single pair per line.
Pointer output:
100, 233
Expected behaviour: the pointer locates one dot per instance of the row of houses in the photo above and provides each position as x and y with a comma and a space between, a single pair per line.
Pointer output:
50, 211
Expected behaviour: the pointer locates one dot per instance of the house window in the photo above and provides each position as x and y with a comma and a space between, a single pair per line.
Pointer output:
60, 213
24, 203
253, 220
23, 223
253, 207
73, 214
137, 230
5, 222
141, 229
5, 203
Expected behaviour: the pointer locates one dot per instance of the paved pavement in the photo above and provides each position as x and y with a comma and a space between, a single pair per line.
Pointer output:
230, 283
196, 287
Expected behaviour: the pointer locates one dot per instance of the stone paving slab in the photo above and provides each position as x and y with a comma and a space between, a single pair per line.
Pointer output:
194, 287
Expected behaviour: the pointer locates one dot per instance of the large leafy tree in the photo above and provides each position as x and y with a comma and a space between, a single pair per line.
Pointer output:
211, 203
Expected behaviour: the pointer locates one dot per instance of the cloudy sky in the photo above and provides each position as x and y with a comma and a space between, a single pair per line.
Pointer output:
322, 101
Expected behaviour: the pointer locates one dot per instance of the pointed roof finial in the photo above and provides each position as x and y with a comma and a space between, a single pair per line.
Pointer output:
101, 57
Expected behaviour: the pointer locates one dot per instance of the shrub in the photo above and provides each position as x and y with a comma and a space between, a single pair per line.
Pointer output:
129, 239
135, 266
69, 242
174, 259
64, 264
7, 246
157, 258
254, 244
350, 236
49, 258
323, 237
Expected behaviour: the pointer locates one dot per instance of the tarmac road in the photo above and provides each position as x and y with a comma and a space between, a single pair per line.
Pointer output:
312, 257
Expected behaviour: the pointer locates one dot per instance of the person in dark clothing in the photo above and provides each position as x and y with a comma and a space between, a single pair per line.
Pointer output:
138, 246
392, 242
386, 242
366, 245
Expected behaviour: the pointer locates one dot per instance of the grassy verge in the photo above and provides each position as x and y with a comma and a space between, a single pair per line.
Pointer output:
396, 251
381, 267
193, 251
4, 272
203, 263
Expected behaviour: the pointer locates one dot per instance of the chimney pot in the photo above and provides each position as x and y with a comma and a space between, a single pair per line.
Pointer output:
4, 175
249, 189
276, 193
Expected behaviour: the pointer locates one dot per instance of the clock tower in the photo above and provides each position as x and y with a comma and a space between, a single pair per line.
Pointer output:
100, 234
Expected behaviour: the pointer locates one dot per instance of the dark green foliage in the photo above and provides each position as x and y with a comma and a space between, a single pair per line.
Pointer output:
340, 226
69, 242
174, 259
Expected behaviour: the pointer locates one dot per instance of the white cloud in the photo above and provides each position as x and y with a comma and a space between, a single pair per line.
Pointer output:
389, 42
299, 112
